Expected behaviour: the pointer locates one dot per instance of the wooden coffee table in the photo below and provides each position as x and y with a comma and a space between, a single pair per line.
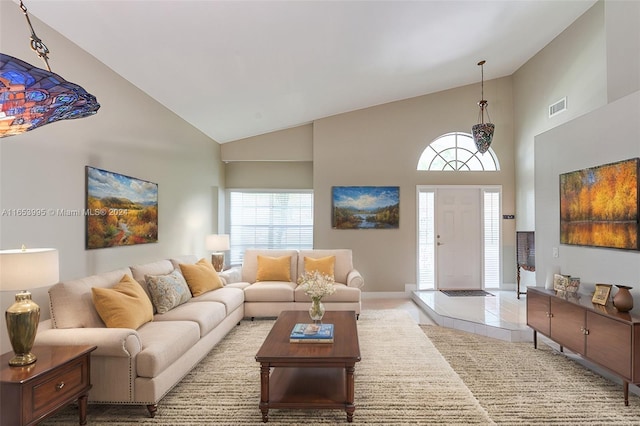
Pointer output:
309, 375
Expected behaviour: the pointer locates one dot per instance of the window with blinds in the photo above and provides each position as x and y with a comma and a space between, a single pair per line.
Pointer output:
269, 220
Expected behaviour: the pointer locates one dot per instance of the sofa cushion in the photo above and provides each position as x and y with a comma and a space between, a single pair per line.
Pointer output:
343, 293
324, 265
201, 277
126, 305
270, 291
167, 291
206, 314
273, 268
139, 272
187, 259
164, 343
343, 262
71, 302
231, 297
250, 262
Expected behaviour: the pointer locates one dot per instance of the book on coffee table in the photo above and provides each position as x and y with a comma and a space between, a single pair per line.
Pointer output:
311, 333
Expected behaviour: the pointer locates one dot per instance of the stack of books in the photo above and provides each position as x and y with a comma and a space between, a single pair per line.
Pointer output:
311, 333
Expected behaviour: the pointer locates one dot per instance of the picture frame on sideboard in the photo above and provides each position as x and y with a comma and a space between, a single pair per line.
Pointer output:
601, 295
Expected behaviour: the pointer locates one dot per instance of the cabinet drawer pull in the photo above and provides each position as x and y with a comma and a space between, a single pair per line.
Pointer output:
549, 315
60, 385
584, 331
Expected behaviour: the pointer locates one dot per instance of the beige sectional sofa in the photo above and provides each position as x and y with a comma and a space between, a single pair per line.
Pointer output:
269, 298
139, 365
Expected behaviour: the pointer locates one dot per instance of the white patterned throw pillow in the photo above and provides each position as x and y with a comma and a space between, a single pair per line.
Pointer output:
167, 291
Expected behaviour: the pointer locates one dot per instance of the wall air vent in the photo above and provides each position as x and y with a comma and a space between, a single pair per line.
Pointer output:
558, 107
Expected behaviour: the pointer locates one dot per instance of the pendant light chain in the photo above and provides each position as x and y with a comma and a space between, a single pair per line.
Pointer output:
37, 45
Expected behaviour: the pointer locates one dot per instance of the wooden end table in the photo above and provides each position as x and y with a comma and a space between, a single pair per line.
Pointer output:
309, 375
60, 375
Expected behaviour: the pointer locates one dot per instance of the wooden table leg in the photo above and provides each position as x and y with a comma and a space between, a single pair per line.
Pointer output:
535, 339
264, 391
625, 389
350, 408
82, 409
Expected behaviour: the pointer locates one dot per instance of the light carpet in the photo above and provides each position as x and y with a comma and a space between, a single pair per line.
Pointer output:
402, 379
520, 385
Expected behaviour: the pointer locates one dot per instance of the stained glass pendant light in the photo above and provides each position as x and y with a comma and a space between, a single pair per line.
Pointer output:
31, 97
483, 132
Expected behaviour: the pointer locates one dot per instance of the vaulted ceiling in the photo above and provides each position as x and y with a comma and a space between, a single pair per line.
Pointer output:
235, 69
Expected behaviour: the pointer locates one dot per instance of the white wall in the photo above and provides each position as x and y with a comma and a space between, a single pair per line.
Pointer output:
131, 134
607, 135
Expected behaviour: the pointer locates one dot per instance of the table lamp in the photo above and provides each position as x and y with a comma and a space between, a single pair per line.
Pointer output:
21, 270
218, 243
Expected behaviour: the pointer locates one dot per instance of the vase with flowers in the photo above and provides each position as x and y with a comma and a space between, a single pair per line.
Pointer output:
316, 285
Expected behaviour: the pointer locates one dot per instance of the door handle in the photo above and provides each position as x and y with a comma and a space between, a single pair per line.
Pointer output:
439, 243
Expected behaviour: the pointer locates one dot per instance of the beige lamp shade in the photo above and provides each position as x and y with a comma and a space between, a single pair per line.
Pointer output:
217, 242
28, 268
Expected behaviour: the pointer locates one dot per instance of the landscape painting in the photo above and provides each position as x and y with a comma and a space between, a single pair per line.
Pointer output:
366, 207
599, 206
120, 210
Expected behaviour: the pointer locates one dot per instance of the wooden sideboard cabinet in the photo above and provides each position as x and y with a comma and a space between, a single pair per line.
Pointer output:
598, 333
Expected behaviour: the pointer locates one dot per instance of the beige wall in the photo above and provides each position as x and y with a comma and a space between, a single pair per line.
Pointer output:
131, 134
381, 146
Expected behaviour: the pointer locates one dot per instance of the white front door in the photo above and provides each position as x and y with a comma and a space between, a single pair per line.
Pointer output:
458, 241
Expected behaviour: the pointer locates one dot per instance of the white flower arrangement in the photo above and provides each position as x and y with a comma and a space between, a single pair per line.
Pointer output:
317, 285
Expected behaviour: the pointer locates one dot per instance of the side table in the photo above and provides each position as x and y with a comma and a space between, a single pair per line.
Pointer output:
60, 375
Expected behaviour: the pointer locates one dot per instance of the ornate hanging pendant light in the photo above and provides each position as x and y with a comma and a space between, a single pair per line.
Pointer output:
483, 132
31, 97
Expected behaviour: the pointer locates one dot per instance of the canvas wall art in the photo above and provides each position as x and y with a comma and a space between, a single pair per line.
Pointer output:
599, 206
365, 207
120, 210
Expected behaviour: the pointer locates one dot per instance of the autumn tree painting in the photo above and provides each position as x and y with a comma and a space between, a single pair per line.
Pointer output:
599, 206
120, 210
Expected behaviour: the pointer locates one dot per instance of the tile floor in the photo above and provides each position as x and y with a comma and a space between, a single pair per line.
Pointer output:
502, 316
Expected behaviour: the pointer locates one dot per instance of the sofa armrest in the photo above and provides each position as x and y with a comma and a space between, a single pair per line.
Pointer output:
117, 342
354, 279
232, 275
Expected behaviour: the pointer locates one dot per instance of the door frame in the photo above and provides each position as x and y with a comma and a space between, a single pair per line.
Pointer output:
482, 189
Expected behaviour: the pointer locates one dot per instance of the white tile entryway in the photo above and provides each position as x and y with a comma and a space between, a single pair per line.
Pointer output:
501, 316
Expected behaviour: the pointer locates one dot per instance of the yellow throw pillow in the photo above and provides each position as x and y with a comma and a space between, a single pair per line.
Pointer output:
125, 305
274, 268
324, 265
201, 277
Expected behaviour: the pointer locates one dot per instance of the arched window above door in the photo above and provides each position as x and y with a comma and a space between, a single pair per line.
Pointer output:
457, 152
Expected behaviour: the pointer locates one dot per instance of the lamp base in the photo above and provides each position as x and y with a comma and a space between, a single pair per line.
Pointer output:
217, 260
22, 324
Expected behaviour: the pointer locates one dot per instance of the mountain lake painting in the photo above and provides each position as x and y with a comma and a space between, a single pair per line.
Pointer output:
120, 210
366, 207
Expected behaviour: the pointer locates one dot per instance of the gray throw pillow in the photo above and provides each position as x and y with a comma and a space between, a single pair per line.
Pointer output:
167, 291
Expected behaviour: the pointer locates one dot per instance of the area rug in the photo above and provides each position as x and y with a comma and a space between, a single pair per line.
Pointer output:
520, 385
401, 380
466, 293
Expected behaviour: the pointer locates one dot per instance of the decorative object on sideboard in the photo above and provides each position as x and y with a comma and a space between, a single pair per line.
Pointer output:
623, 300
218, 243
21, 270
560, 282
601, 295
573, 284
483, 132
31, 97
